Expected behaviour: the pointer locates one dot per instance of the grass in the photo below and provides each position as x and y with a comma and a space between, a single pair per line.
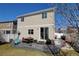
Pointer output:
69, 53
7, 50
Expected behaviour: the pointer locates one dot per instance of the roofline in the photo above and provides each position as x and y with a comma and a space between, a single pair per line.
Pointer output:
8, 21
36, 12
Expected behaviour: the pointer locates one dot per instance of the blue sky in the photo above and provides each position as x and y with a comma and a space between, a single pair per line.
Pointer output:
10, 11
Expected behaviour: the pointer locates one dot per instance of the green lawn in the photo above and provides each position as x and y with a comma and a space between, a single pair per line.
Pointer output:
7, 50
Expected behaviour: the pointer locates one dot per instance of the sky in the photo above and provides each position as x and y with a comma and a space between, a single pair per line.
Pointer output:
9, 11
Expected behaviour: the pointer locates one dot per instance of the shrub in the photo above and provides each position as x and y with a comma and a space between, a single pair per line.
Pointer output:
48, 41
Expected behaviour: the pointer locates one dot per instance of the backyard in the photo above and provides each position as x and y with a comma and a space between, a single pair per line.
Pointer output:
7, 50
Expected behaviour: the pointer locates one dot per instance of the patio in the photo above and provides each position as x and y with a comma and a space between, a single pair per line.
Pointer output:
65, 51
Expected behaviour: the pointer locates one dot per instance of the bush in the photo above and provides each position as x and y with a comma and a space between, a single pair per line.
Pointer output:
48, 41
75, 44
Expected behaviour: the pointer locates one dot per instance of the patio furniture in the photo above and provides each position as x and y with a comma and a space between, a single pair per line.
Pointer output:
27, 40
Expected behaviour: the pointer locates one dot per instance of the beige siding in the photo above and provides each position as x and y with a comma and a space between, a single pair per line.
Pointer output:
37, 19
24, 32
35, 22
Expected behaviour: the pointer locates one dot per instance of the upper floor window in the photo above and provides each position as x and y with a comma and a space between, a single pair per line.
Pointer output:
22, 19
44, 15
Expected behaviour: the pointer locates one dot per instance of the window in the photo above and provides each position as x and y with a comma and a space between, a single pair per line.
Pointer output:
7, 32
30, 31
22, 19
44, 15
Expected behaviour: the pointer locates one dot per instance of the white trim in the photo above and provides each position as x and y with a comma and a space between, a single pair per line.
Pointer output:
36, 25
39, 32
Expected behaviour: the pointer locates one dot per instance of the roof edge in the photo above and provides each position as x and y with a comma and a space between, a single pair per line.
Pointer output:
8, 21
36, 12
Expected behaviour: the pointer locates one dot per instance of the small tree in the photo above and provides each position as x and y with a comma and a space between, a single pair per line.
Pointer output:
70, 13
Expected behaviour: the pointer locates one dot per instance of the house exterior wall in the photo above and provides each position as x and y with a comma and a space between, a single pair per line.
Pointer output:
35, 22
6, 26
37, 19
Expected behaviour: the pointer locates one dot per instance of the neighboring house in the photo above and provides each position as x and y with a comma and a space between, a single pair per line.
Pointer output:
39, 25
7, 29
61, 30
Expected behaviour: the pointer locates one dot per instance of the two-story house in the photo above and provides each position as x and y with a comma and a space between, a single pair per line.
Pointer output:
39, 25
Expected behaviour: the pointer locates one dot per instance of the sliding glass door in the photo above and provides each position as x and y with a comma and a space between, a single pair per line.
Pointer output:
44, 33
